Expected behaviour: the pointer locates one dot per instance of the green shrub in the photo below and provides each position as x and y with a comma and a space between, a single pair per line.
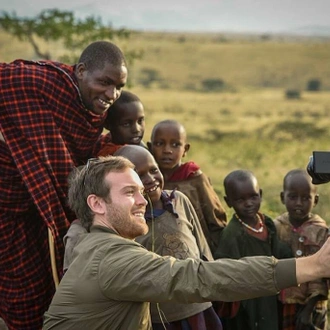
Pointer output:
213, 85
148, 76
314, 85
292, 94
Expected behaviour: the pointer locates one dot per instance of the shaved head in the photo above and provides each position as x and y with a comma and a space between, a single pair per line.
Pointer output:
174, 124
132, 152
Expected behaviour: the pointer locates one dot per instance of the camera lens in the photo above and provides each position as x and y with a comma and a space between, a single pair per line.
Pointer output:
317, 178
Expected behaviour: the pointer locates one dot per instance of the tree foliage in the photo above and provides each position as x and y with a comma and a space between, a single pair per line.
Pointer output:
314, 85
213, 84
62, 26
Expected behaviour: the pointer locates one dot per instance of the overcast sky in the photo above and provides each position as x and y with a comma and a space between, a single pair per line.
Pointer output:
190, 15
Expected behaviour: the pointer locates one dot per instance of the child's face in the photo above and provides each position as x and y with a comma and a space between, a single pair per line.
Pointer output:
150, 175
168, 146
299, 197
129, 125
245, 198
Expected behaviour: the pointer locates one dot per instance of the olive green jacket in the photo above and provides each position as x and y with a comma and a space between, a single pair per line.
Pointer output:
111, 281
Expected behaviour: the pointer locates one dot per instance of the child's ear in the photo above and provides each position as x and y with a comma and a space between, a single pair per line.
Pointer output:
149, 145
186, 149
260, 193
227, 200
316, 199
282, 197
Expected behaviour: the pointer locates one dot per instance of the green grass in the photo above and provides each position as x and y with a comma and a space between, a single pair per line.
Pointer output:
250, 124
260, 131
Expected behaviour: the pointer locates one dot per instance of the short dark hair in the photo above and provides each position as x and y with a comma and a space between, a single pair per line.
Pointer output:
296, 171
114, 110
237, 175
89, 179
167, 122
98, 53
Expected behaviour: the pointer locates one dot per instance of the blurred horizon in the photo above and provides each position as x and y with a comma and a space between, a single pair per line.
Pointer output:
300, 17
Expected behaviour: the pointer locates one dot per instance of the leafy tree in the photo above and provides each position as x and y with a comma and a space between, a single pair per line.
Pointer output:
149, 76
213, 85
292, 94
314, 85
62, 26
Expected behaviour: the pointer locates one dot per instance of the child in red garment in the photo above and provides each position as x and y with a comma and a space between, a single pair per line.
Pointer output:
169, 145
125, 121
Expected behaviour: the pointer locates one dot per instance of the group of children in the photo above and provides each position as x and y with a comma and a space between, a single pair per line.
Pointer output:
187, 220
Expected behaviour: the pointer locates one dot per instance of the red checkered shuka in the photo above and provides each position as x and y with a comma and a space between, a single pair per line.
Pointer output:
47, 132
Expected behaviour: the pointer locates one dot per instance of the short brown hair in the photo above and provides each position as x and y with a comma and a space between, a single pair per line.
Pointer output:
89, 179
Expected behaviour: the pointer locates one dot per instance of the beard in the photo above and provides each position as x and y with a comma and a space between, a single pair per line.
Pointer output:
124, 222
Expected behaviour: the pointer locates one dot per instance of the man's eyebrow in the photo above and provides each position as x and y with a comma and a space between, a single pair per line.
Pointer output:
129, 186
133, 186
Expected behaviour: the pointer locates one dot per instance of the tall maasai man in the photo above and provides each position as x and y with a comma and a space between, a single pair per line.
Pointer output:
51, 119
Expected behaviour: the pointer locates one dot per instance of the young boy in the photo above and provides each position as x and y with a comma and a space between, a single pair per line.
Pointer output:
169, 145
304, 306
249, 233
125, 121
174, 230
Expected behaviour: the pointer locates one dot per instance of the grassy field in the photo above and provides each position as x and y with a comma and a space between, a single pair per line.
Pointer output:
259, 130
248, 123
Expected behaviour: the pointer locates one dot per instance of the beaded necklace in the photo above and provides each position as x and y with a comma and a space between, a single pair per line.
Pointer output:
260, 230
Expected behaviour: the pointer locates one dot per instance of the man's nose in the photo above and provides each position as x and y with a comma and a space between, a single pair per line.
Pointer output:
141, 200
111, 93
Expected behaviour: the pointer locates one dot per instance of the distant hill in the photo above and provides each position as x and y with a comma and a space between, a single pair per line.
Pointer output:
192, 61
312, 31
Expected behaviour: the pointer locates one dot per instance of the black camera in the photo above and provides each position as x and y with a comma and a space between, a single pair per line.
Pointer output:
318, 167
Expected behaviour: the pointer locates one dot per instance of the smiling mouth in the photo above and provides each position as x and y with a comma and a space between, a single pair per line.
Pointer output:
139, 214
105, 104
154, 188
140, 218
136, 139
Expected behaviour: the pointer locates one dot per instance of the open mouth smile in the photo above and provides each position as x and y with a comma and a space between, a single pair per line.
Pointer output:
154, 188
105, 104
136, 139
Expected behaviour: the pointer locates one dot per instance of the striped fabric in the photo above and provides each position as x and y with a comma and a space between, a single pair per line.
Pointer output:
47, 131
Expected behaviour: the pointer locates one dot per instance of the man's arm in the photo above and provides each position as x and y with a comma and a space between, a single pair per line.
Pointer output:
140, 275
